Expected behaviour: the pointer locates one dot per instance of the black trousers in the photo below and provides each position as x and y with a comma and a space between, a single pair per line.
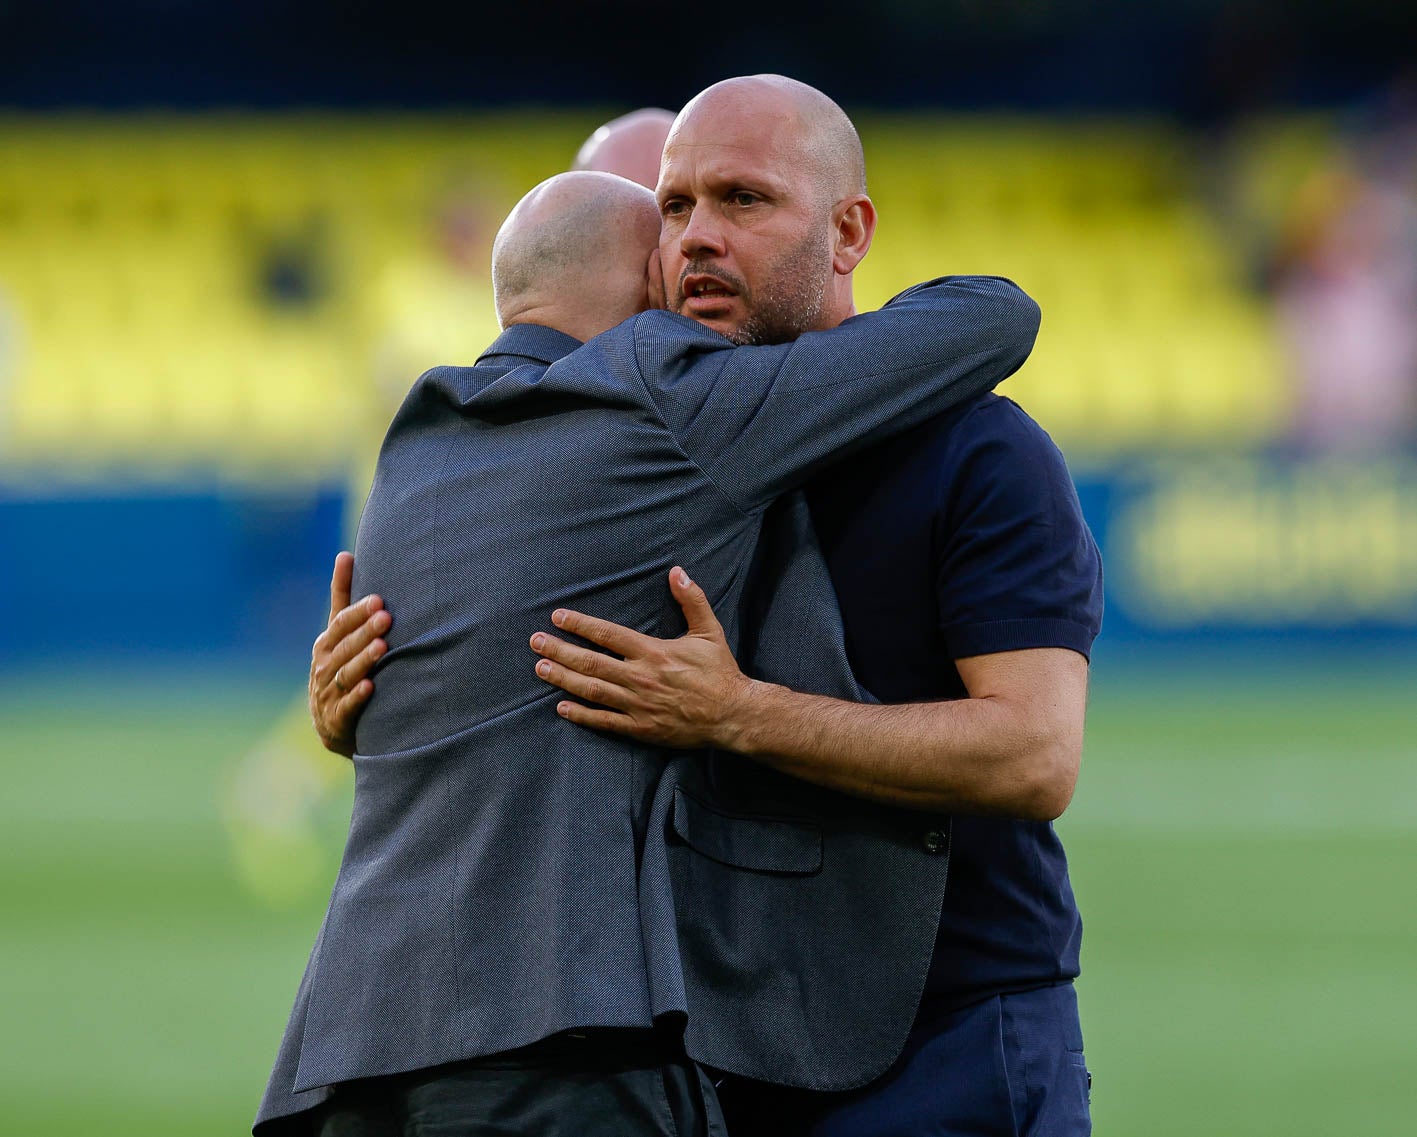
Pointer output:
599, 1083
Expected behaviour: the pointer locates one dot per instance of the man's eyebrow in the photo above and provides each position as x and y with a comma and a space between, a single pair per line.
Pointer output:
727, 177
764, 185
663, 184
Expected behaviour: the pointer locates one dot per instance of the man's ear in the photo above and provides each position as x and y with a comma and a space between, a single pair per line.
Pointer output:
853, 226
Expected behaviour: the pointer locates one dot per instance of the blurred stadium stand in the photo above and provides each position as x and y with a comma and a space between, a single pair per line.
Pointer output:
201, 294
211, 294
223, 311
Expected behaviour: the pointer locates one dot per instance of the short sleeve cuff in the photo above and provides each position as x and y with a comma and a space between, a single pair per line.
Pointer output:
1018, 635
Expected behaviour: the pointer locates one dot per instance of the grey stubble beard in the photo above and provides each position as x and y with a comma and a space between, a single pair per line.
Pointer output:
792, 303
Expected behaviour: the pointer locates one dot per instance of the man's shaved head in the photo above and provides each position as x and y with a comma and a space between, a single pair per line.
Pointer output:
574, 253
762, 189
815, 127
630, 146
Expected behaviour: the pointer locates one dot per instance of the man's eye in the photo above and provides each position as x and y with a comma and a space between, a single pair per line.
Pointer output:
743, 197
674, 208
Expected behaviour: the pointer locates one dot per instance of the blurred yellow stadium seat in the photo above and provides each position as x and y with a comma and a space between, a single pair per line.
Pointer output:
208, 290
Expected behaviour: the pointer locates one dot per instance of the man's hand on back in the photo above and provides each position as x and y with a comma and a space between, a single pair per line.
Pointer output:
1010, 749
677, 693
343, 655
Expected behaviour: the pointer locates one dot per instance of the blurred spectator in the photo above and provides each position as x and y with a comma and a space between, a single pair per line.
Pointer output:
1346, 287
294, 264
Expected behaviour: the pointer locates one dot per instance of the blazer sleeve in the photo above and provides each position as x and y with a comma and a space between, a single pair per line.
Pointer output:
761, 420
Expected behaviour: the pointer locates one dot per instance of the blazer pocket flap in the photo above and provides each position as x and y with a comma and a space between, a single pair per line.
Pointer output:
764, 844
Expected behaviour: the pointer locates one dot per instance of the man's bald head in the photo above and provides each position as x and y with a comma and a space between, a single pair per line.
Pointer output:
630, 146
574, 253
801, 117
762, 191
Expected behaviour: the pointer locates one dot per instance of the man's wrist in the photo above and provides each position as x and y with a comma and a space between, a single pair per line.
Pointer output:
739, 729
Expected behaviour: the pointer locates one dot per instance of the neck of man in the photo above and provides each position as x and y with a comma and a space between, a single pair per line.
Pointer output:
569, 321
840, 305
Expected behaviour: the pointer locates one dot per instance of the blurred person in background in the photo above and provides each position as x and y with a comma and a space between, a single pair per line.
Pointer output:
283, 804
294, 270
970, 589
1346, 289
630, 146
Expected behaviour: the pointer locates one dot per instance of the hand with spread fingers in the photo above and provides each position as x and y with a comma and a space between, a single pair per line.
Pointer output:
680, 693
343, 655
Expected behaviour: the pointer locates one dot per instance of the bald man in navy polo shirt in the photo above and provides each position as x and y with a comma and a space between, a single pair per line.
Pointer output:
964, 539
970, 592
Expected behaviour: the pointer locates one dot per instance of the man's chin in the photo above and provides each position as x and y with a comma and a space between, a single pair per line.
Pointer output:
725, 324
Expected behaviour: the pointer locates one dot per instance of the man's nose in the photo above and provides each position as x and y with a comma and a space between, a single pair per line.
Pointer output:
703, 235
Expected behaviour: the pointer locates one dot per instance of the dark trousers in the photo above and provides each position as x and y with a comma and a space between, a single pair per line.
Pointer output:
1009, 1066
595, 1084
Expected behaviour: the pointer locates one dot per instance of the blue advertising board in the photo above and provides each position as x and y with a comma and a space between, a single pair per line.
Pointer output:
1235, 549
1223, 552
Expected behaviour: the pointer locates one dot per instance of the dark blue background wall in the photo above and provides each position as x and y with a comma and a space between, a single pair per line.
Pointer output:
1197, 58
98, 580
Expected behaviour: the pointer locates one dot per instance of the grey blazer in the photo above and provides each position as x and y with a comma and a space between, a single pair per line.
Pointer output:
806, 919
508, 875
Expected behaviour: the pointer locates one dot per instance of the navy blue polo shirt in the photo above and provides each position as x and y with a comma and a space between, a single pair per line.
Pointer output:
964, 537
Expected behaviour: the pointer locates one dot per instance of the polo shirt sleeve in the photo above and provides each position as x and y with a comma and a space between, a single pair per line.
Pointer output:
1016, 566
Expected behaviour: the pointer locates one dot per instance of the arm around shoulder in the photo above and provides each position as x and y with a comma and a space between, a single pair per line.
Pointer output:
997, 312
761, 420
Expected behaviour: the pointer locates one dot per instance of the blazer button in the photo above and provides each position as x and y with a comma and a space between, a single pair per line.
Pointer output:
936, 841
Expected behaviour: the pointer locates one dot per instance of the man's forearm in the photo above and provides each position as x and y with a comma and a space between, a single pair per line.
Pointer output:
1012, 748
976, 755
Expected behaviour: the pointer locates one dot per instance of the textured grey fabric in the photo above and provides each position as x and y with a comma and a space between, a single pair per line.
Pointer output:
805, 919
508, 875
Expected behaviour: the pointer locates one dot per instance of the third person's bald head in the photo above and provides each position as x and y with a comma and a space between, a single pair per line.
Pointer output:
630, 145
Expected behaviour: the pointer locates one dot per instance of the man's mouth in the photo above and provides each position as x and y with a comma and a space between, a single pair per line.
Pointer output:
705, 289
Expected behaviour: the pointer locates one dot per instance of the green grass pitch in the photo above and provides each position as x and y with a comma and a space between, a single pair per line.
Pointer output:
1244, 852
